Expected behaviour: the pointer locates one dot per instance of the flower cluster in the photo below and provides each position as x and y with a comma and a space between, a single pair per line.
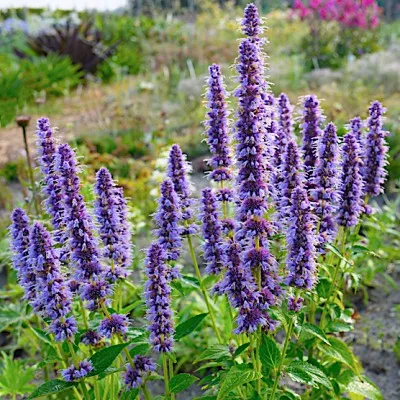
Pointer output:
135, 374
77, 372
362, 14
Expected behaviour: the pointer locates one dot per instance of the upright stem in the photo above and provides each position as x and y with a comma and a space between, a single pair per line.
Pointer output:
171, 374
30, 171
285, 346
204, 292
145, 392
166, 377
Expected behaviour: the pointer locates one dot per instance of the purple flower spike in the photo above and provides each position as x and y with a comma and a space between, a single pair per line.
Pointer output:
113, 226
167, 220
217, 127
356, 126
85, 254
115, 324
291, 177
91, 338
351, 183
312, 117
178, 170
158, 300
212, 233
375, 156
74, 373
52, 188
325, 181
53, 298
300, 262
134, 375
294, 304
251, 23
20, 233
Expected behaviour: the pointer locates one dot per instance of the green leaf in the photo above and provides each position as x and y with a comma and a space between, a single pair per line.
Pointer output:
364, 388
323, 288
190, 281
187, 327
270, 355
337, 253
241, 349
316, 374
50, 387
105, 357
299, 375
314, 330
130, 307
181, 382
339, 351
234, 378
42, 335
130, 394
215, 352
141, 349
337, 326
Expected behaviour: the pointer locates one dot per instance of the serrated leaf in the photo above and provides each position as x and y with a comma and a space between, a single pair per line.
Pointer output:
42, 335
323, 288
317, 375
187, 327
215, 352
297, 374
50, 387
105, 357
365, 389
337, 326
130, 307
339, 351
130, 394
180, 382
270, 355
235, 378
141, 349
314, 330
241, 349
190, 281
337, 253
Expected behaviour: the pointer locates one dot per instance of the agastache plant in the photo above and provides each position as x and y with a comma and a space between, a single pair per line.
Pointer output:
276, 308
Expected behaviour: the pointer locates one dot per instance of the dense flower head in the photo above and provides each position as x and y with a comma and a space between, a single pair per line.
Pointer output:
135, 374
91, 338
300, 262
63, 328
52, 189
375, 154
85, 254
53, 298
178, 170
167, 220
311, 131
95, 292
251, 23
356, 126
295, 304
158, 299
324, 194
351, 183
212, 232
115, 324
217, 127
74, 373
291, 177
20, 234
112, 224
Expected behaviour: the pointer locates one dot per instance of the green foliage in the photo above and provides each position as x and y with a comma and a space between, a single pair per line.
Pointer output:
180, 382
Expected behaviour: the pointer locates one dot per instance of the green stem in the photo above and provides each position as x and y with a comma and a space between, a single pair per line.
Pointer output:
145, 392
205, 295
166, 378
171, 374
285, 346
84, 317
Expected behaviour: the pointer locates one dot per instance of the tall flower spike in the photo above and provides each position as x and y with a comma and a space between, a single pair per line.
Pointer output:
178, 170
20, 233
158, 300
111, 224
251, 24
85, 254
291, 178
167, 220
52, 188
212, 233
375, 156
351, 183
53, 296
325, 195
311, 130
217, 130
134, 375
300, 262
356, 126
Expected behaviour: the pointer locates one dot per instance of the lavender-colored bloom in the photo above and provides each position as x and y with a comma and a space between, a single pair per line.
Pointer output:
74, 373
356, 126
115, 324
311, 130
95, 292
158, 300
291, 177
295, 304
85, 254
351, 183
375, 156
251, 23
124, 226
178, 170
300, 262
91, 338
325, 195
63, 328
20, 233
167, 220
212, 233
217, 127
52, 188
112, 225
134, 375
